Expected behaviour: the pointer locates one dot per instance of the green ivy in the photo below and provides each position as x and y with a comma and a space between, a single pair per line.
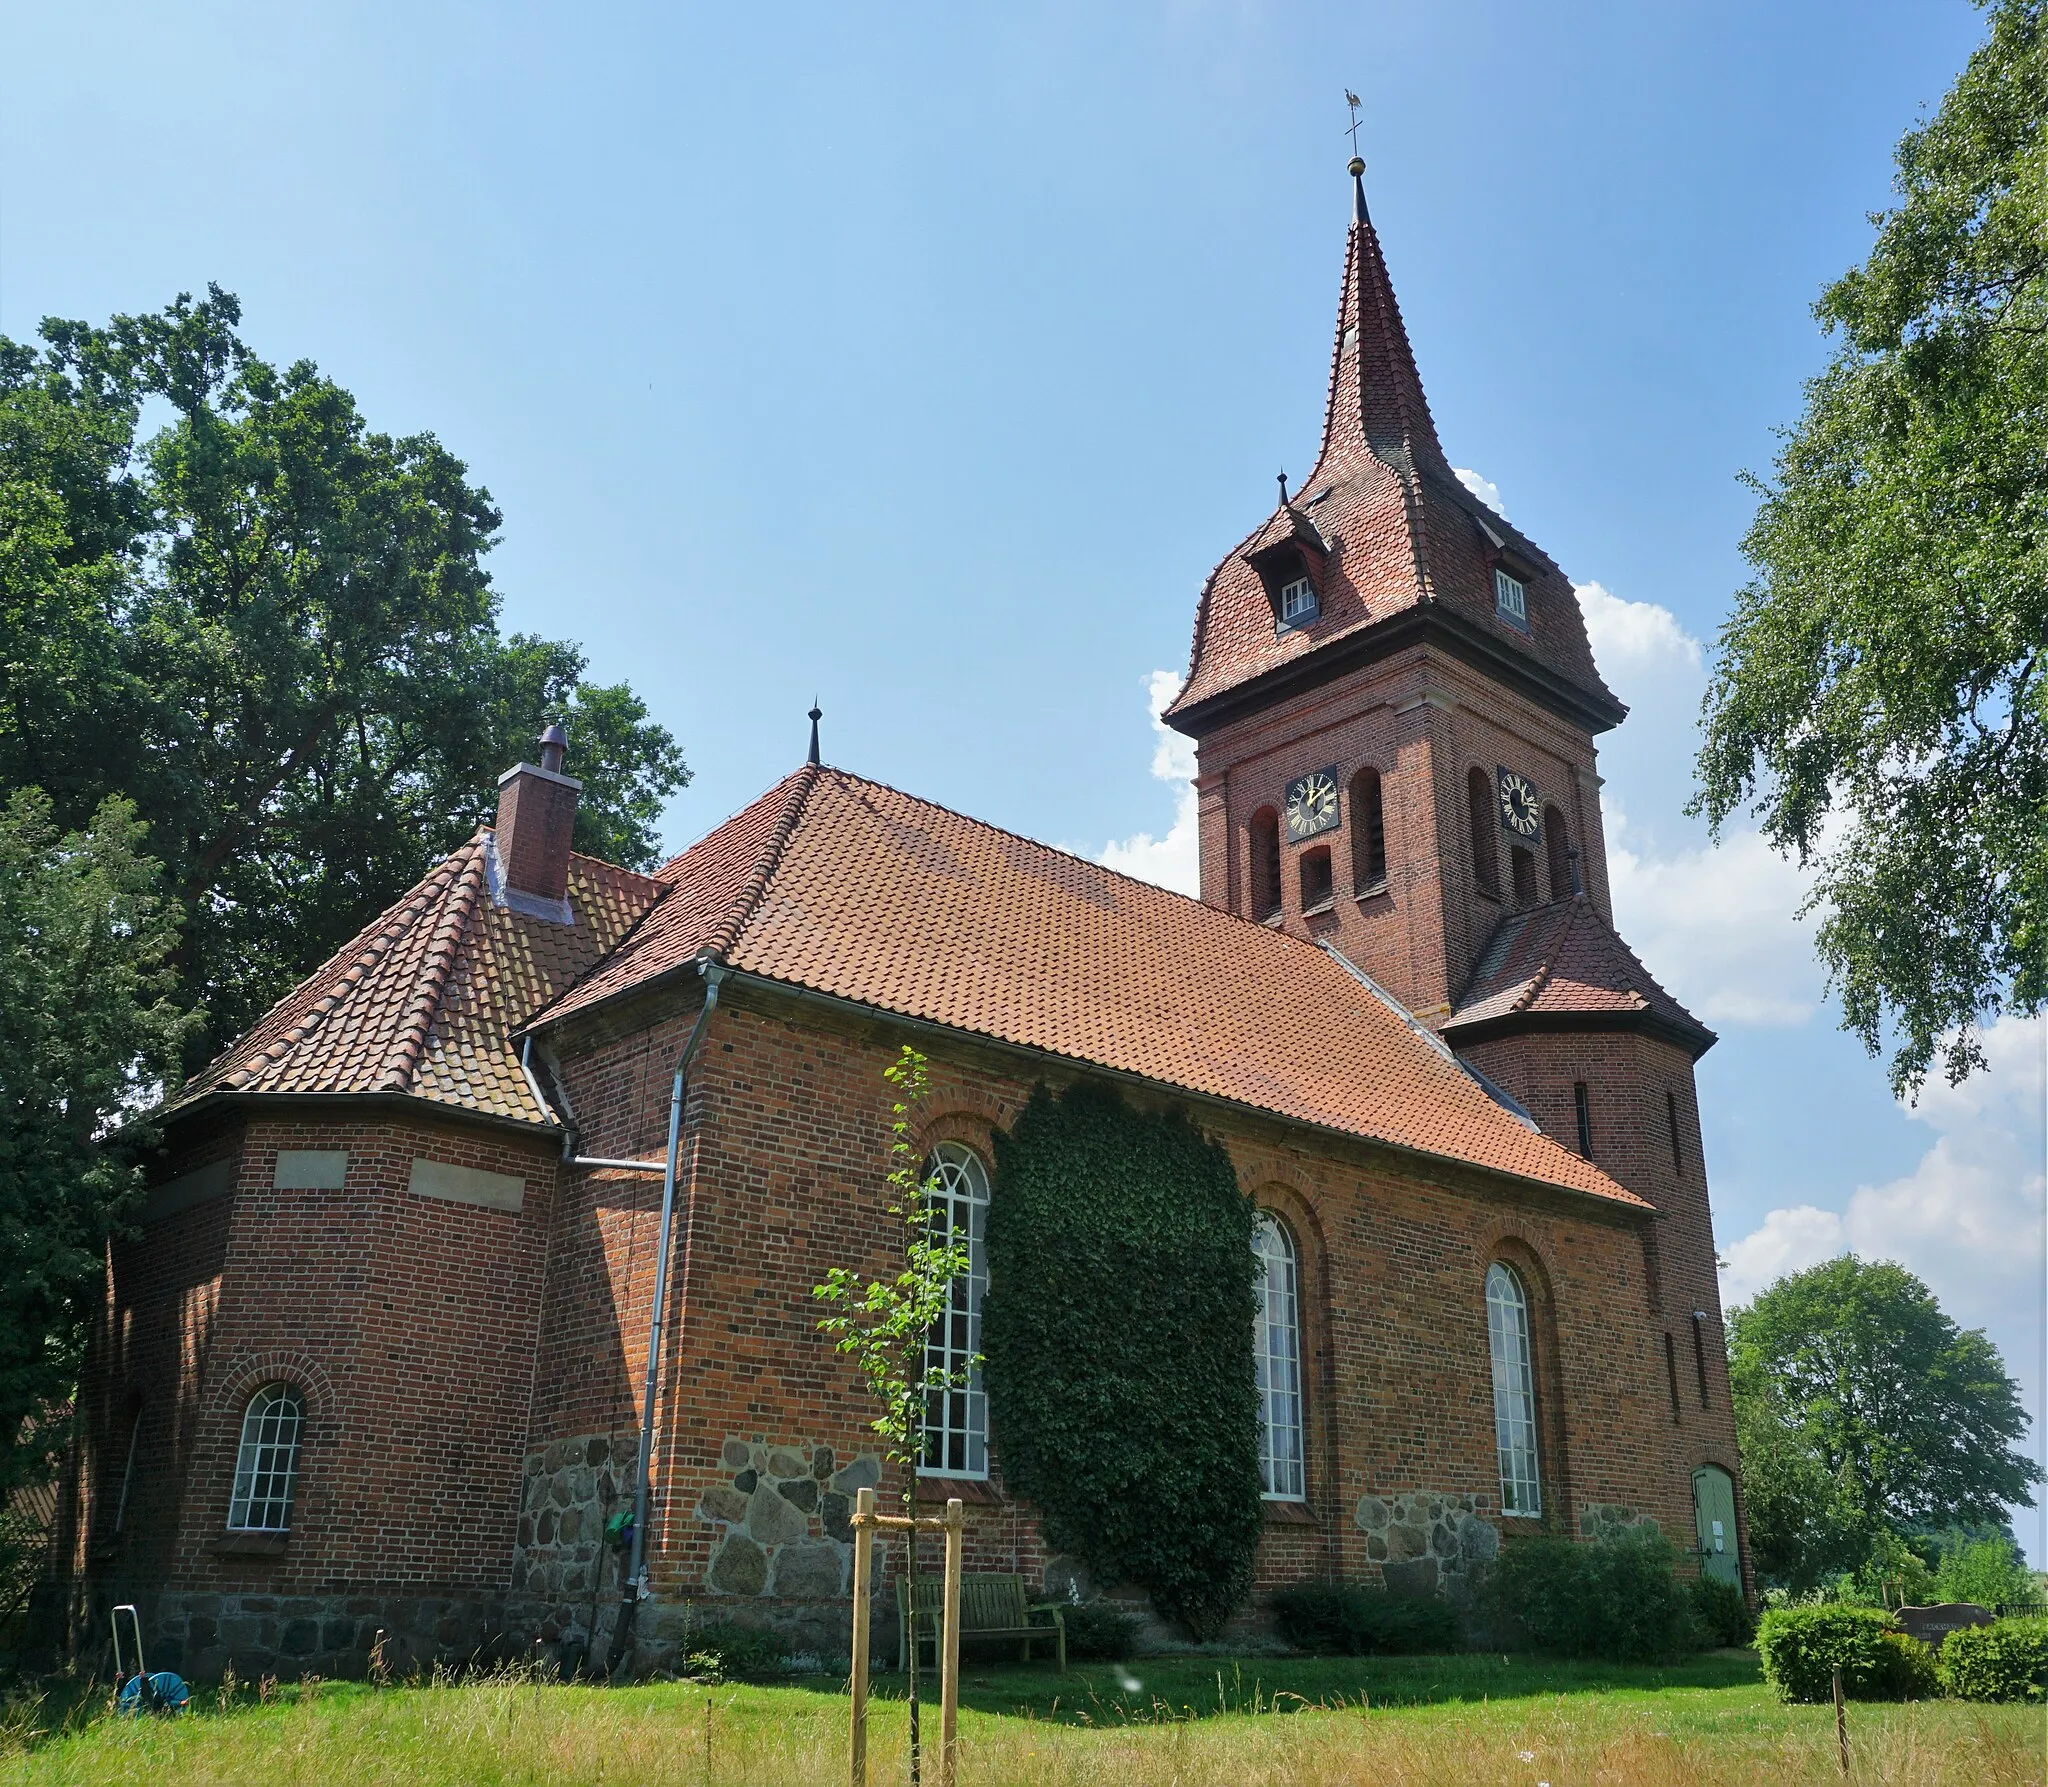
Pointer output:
1117, 1335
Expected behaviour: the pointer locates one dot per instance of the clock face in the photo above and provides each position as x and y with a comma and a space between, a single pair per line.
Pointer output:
1520, 805
1311, 803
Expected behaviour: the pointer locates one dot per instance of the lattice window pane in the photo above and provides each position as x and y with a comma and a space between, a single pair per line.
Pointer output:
1514, 1392
956, 1419
267, 1466
1277, 1351
1509, 598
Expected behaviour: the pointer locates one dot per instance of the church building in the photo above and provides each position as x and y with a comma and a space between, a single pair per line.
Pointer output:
472, 1300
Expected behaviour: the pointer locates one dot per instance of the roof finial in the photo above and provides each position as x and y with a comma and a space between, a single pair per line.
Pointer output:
817, 714
1357, 161
1283, 490
1578, 886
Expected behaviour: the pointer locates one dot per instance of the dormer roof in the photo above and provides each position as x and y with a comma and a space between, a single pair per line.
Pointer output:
1408, 547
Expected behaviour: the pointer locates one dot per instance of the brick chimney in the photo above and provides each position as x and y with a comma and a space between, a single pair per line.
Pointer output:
536, 819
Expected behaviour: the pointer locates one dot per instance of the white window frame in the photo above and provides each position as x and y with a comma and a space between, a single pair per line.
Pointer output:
1297, 601
1276, 1347
1514, 1393
1510, 598
956, 1421
267, 1464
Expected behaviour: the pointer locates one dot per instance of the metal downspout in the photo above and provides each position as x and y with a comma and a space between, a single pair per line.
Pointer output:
636, 1574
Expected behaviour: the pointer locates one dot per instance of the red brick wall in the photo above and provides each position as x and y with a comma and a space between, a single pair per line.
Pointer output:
1422, 719
789, 1137
410, 1324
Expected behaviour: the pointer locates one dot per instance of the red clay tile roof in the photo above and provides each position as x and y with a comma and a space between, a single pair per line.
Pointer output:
1406, 533
426, 999
1563, 962
849, 888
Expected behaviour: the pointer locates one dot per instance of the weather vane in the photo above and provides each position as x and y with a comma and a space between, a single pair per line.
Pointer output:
1354, 102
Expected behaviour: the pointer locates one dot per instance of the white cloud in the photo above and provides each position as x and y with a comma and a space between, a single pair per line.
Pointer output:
1785, 1241
1173, 860
1970, 1218
1485, 489
1716, 924
1630, 636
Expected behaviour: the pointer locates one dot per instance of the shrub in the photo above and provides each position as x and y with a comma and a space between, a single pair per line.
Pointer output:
1616, 1598
1344, 1620
726, 1650
1986, 1572
1100, 1631
1720, 1612
2007, 1660
1802, 1647
1117, 1339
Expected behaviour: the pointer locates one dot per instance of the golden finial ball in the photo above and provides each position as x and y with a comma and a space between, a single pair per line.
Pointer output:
1357, 166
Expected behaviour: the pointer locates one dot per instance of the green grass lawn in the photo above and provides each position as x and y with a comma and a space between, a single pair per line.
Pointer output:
1156, 1722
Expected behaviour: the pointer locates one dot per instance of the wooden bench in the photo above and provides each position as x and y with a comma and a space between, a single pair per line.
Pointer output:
990, 1607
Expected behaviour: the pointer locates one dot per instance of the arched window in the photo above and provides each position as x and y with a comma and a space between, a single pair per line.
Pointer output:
1368, 833
1485, 843
1524, 866
1557, 845
1514, 1392
267, 1467
1318, 879
1265, 862
1276, 1344
956, 1419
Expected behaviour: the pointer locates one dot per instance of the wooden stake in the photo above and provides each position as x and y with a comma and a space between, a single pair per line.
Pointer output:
1841, 1723
863, 1567
949, 1669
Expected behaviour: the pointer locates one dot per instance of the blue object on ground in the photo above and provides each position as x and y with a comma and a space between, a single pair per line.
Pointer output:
167, 1693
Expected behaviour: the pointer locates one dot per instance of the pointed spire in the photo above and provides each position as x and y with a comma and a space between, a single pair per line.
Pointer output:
1376, 398
817, 713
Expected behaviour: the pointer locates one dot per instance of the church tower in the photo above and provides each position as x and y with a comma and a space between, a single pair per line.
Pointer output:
1394, 704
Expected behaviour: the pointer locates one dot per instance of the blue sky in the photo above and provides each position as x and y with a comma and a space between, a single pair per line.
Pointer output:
925, 358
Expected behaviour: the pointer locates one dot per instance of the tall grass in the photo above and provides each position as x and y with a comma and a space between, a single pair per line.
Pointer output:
512, 1730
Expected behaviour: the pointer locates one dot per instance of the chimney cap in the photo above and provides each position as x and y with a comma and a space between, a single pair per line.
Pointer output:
554, 746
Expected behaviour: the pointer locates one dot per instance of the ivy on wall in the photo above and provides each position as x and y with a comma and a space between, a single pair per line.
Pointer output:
1117, 1347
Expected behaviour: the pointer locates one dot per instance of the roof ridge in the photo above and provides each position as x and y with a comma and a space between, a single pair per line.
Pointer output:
442, 948
370, 945
802, 781
1086, 862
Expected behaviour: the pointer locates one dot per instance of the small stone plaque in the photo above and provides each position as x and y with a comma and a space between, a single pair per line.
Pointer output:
1932, 1624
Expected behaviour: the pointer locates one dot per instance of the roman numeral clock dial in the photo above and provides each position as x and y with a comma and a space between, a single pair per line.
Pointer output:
1311, 803
1521, 810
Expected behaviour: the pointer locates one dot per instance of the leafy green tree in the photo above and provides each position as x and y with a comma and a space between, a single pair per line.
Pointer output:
86, 938
884, 1322
1877, 697
1865, 1414
271, 628
1988, 1571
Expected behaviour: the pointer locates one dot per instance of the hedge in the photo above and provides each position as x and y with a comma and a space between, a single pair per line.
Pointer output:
2007, 1660
1802, 1647
1342, 1619
1616, 1598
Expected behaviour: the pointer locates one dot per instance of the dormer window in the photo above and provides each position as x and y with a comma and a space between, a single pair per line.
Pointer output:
1297, 603
1510, 602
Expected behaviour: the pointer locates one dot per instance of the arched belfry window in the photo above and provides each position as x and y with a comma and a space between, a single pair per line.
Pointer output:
1514, 1391
1485, 831
267, 1465
1368, 833
956, 1419
1276, 1345
1265, 863
1557, 845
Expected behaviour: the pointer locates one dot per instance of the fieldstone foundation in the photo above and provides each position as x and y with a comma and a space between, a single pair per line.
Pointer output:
201, 1635
565, 1578
1428, 1542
